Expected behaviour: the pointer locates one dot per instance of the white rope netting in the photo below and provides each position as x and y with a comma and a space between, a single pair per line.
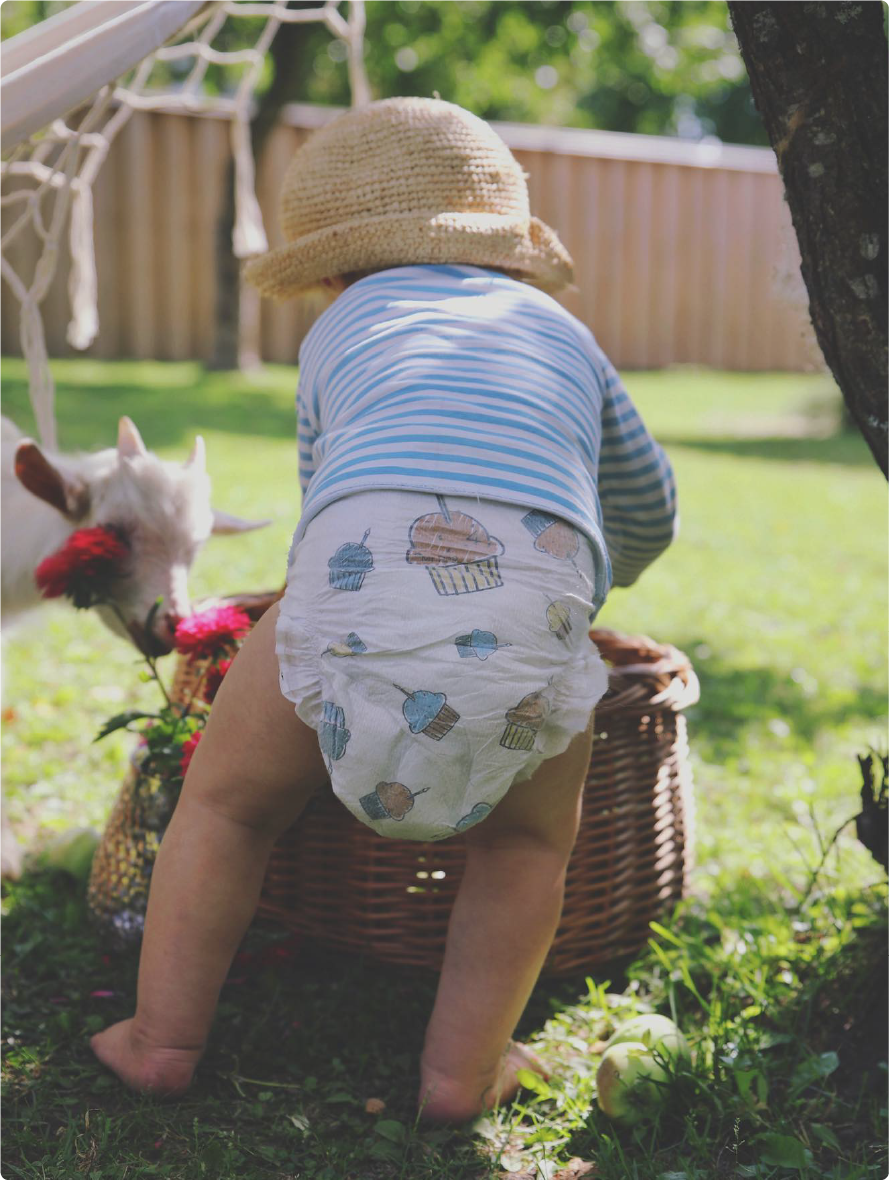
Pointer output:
51, 173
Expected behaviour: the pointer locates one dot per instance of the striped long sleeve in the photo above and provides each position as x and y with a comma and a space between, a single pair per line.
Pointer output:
637, 489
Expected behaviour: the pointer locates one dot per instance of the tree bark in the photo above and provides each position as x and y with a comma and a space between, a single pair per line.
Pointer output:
818, 72
226, 316
227, 320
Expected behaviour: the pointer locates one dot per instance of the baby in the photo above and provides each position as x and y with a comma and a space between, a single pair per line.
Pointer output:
474, 480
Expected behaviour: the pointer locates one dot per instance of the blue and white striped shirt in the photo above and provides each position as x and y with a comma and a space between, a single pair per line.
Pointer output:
459, 380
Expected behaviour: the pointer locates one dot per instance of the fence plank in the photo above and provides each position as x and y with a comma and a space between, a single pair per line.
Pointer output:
139, 293
675, 247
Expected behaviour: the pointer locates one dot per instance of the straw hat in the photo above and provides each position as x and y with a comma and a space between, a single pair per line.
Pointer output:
404, 181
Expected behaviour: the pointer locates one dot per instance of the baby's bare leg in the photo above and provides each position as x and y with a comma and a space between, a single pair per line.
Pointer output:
249, 779
501, 928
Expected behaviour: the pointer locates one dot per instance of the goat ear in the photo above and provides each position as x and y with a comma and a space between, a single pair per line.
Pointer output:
225, 524
33, 469
198, 456
129, 440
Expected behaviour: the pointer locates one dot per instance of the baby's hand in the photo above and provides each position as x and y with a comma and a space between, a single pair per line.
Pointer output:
148, 1069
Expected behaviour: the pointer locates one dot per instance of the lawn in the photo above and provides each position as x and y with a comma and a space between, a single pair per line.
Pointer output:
777, 591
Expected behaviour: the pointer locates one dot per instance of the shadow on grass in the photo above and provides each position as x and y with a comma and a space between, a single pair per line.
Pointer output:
734, 699
303, 1038
843, 447
168, 415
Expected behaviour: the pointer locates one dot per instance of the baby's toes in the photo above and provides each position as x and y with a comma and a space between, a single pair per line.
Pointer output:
518, 1057
445, 1100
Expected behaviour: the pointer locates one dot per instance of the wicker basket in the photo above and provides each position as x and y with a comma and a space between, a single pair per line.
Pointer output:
337, 881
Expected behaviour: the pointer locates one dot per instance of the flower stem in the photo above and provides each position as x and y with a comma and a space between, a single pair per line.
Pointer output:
149, 660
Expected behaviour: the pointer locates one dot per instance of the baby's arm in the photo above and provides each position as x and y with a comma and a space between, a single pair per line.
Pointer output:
637, 490
306, 430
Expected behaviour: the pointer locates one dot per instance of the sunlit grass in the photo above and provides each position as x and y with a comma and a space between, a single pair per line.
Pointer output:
776, 589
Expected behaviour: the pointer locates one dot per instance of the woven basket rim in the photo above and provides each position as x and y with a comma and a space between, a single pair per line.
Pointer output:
642, 674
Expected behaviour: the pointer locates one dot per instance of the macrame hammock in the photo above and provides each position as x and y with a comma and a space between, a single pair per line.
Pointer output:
69, 84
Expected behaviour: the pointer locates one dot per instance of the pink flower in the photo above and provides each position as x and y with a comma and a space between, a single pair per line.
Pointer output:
188, 748
85, 566
212, 631
213, 679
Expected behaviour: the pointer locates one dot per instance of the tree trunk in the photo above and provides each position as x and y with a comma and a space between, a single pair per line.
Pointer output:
227, 317
227, 322
819, 77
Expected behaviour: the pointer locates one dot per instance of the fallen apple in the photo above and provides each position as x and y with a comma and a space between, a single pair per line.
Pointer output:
630, 1083
659, 1034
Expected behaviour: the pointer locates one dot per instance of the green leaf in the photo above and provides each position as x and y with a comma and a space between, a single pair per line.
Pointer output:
812, 1069
120, 721
665, 933
783, 1151
826, 1136
659, 951
744, 1078
391, 1129
534, 1082
383, 1150
690, 984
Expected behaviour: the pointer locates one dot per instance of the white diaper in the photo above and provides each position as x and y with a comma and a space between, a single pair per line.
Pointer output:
439, 647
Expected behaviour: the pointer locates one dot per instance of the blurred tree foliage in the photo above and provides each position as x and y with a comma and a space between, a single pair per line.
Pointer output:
661, 67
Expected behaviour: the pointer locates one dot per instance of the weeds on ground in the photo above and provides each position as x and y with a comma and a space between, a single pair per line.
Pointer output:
784, 1005
776, 973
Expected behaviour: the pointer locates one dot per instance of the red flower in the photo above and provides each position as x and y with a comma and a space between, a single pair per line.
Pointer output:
213, 679
188, 749
212, 631
84, 568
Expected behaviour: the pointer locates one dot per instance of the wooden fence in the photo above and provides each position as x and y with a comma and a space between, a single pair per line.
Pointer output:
684, 253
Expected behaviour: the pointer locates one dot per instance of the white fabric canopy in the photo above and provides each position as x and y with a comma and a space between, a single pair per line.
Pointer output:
56, 65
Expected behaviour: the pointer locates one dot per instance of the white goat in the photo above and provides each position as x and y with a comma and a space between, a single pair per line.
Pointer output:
162, 509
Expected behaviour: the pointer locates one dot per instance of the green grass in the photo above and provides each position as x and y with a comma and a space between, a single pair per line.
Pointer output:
777, 591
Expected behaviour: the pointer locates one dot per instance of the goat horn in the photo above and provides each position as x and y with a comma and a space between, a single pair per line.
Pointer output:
129, 440
198, 456
224, 524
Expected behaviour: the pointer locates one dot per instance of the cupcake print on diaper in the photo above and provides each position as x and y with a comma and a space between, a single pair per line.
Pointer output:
478, 813
428, 713
352, 645
350, 565
333, 737
389, 801
524, 721
558, 617
457, 550
480, 644
552, 536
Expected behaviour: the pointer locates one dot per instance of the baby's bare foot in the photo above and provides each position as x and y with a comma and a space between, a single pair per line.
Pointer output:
448, 1100
149, 1069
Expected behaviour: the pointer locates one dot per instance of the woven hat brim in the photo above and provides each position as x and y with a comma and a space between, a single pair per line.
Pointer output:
531, 249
